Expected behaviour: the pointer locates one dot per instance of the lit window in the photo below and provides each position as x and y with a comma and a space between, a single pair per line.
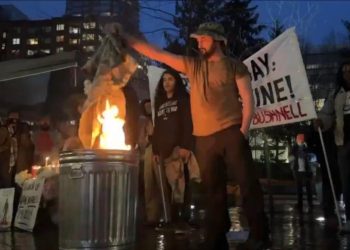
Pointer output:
90, 25
313, 66
59, 39
74, 30
59, 49
46, 51
33, 41
60, 27
31, 52
105, 13
4, 34
16, 41
74, 41
89, 48
3, 46
88, 37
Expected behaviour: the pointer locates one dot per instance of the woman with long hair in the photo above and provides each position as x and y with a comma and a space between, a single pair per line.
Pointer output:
334, 120
342, 134
172, 131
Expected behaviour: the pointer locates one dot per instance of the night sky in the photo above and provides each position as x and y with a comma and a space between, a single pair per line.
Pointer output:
315, 20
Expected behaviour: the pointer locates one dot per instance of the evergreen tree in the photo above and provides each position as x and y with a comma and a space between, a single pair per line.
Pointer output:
240, 21
189, 14
276, 30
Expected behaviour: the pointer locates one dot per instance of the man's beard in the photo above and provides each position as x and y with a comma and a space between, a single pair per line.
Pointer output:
207, 53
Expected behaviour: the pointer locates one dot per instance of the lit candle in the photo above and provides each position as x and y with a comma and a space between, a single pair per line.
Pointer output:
35, 170
46, 161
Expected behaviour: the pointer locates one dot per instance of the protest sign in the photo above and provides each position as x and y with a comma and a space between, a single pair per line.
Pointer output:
280, 85
29, 204
6, 207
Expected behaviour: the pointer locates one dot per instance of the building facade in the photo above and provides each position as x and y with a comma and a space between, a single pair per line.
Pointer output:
80, 29
25, 39
122, 11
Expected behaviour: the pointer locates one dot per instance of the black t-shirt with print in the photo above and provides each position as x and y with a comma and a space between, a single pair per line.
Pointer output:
173, 126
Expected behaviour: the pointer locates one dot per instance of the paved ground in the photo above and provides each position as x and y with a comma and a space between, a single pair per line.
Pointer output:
289, 231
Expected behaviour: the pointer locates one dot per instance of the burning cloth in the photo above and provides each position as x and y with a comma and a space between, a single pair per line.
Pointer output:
110, 69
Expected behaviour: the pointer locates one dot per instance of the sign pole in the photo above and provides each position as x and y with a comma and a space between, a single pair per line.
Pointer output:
162, 178
269, 173
330, 178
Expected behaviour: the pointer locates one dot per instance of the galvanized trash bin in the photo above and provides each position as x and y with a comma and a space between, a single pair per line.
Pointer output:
98, 191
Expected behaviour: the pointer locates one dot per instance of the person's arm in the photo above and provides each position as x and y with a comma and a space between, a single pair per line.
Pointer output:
156, 53
245, 91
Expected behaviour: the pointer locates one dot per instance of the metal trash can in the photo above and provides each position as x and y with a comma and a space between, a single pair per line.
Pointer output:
98, 191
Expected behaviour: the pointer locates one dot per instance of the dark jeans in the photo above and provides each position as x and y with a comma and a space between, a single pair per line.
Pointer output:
224, 156
344, 165
304, 180
331, 149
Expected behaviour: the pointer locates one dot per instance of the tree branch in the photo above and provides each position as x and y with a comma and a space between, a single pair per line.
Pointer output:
157, 10
161, 29
157, 17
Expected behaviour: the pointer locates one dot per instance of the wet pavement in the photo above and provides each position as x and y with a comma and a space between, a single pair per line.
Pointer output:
290, 231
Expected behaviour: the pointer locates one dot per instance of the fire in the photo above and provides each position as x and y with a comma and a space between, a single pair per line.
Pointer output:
112, 135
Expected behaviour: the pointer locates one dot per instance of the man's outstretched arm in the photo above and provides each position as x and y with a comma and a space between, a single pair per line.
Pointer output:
156, 53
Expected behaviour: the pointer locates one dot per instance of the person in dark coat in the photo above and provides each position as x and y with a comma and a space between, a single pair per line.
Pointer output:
16, 149
16, 153
303, 173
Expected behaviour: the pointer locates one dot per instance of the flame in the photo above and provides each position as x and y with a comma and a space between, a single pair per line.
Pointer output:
112, 135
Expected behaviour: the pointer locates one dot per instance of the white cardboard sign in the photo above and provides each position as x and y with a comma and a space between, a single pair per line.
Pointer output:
6, 207
29, 204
